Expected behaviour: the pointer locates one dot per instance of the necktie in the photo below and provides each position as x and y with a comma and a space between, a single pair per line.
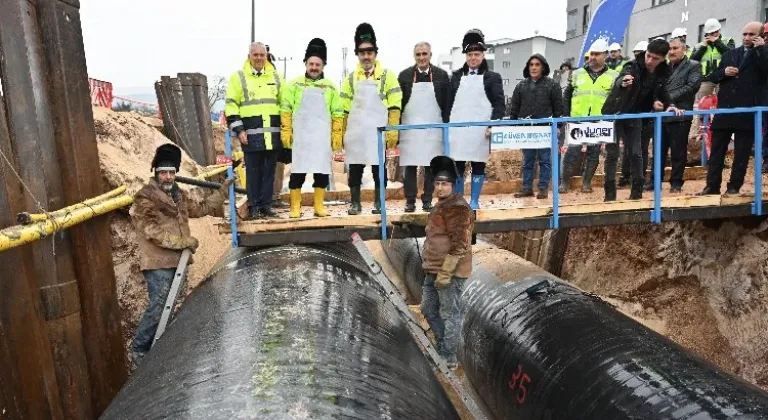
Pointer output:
258, 73
368, 74
473, 72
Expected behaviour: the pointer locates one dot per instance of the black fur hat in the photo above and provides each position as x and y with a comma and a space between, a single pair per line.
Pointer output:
167, 155
444, 166
474, 40
365, 33
316, 48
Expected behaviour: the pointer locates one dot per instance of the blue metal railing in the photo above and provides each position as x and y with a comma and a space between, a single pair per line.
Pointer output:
757, 205
232, 203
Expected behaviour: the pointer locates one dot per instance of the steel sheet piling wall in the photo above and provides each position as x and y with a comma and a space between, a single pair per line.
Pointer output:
81, 175
204, 117
27, 93
192, 125
28, 388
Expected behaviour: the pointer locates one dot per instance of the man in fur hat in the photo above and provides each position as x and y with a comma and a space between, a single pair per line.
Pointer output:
447, 256
372, 98
476, 94
311, 115
160, 215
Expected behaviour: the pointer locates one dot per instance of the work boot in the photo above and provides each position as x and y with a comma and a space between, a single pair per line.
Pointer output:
525, 192
637, 190
354, 207
624, 182
610, 191
267, 212
589, 171
459, 186
648, 186
731, 191
376, 201
410, 205
426, 205
254, 213
319, 202
542, 194
709, 191
278, 203
295, 204
477, 187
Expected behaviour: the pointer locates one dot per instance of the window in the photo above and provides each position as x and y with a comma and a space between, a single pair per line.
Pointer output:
505, 82
665, 36
573, 23
506, 64
765, 14
701, 29
490, 50
585, 20
655, 3
507, 50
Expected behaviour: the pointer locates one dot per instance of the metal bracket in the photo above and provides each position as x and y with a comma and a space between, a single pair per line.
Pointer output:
173, 294
394, 297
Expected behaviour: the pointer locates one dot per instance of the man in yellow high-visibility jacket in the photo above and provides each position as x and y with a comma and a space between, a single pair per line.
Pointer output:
312, 116
372, 98
583, 97
252, 108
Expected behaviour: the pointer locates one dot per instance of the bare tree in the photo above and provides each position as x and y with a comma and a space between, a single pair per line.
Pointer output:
217, 89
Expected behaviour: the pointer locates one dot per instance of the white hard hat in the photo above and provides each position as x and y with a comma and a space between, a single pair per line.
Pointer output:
641, 46
599, 46
712, 25
615, 47
678, 32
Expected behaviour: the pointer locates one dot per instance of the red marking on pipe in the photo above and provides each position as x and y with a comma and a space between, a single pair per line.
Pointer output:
524, 379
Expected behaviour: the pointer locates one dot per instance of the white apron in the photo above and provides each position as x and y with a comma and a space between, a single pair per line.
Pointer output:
418, 147
366, 115
468, 144
312, 152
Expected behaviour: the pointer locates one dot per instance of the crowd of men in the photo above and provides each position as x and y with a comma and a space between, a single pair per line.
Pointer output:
278, 121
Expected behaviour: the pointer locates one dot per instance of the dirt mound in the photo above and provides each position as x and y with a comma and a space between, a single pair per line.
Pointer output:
504, 165
127, 143
706, 289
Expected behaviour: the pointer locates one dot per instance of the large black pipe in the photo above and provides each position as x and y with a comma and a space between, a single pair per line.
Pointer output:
289, 332
535, 347
405, 256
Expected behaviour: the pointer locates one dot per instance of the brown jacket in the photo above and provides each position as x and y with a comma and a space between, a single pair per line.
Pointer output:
162, 224
449, 232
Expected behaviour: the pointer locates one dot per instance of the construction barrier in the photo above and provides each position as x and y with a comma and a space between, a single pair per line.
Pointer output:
101, 93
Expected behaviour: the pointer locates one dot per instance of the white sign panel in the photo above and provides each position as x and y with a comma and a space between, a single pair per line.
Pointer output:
597, 132
516, 137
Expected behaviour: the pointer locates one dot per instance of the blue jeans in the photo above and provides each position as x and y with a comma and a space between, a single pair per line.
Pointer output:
442, 309
158, 287
545, 168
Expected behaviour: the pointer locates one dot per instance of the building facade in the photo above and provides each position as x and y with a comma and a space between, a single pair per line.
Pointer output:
508, 57
654, 18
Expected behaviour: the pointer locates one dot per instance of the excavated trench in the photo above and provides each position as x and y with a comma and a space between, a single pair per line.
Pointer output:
305, 332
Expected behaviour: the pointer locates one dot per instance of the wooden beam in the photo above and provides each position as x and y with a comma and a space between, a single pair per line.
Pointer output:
81, 176
28, 94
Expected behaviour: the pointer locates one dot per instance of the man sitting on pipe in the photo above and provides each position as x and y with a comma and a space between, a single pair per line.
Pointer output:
160, 214
447, 258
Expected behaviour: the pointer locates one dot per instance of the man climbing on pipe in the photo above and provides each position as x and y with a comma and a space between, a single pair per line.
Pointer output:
447, 258
311, 115
160, 214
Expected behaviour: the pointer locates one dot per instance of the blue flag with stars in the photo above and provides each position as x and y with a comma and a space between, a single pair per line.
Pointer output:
609, 21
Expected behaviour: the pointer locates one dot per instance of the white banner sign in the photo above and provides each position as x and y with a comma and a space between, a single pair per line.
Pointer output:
516, 137
597, 132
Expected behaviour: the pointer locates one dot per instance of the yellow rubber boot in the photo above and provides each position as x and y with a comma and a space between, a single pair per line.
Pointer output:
295, 204
319, 205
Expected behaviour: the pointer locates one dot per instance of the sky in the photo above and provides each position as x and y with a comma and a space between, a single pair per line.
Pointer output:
131, 43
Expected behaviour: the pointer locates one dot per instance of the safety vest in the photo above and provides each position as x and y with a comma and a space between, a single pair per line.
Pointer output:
711, 58
619, 65
294, 91
253, 103
588, 95
389, 89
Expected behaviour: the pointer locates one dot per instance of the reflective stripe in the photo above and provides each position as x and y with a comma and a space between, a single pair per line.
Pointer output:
344, 95
394, 90
231, 101
351, 84
259, 101
262, 130
244, 84
235, 124
601, 93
